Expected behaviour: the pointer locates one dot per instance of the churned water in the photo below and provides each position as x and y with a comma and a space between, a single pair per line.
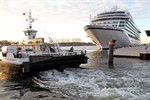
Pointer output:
128, 80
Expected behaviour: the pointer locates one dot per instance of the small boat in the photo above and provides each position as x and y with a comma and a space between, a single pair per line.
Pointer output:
33, 54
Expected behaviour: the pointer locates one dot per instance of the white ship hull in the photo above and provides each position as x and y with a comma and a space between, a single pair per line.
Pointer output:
102, 35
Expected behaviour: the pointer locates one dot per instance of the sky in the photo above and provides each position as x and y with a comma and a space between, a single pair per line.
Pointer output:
65, 18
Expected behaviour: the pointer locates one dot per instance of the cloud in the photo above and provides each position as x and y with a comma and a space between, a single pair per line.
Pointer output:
67, 13
67, 10
140, 9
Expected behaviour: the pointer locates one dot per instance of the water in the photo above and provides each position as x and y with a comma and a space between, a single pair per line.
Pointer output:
128, 80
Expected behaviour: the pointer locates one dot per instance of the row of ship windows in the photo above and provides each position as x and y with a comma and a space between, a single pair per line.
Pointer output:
115, 25
119, 25
102, 19
121, 12
115, 22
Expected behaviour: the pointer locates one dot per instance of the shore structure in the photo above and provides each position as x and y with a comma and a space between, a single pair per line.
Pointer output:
146, 55
33, 54
139, 51
133, 52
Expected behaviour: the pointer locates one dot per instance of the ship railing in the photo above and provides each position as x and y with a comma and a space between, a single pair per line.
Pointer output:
61, 53
75, 52
55, 54
46, 54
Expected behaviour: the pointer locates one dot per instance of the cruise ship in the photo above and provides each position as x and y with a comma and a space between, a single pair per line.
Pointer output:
113, 25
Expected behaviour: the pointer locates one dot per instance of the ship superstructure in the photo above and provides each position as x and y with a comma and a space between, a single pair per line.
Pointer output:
113, 25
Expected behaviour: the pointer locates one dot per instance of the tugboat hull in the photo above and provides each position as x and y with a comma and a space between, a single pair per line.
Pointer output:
58, 62
42, 63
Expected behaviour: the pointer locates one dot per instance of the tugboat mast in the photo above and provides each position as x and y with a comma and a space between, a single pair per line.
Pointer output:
30, 20
30, 34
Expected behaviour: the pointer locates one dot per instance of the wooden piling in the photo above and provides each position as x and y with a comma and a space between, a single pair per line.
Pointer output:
111, 50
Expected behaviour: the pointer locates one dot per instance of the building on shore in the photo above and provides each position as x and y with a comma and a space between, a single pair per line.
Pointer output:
67, 40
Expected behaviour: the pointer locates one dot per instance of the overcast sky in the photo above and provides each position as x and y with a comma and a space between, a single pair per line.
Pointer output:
64, 18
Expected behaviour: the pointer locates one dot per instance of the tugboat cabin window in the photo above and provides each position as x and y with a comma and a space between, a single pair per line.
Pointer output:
28, 49
26, 33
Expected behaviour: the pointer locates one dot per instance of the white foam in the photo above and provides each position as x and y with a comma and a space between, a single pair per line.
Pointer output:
96, 83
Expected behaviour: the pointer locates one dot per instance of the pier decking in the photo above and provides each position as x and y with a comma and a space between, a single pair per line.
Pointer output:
131, 52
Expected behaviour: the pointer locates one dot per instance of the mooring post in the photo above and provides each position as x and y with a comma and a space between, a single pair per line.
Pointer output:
111, 51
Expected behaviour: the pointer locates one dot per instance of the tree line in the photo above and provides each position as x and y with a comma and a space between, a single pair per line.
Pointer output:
5, 42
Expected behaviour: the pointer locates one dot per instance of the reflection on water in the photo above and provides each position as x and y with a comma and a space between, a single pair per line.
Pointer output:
4, 76
8, 70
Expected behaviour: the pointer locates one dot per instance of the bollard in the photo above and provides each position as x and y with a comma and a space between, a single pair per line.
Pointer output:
111, 51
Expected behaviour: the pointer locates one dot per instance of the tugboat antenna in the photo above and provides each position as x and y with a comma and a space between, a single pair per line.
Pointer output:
30, 20
115, 8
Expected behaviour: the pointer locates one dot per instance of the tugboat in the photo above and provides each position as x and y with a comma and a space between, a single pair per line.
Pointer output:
34, 55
